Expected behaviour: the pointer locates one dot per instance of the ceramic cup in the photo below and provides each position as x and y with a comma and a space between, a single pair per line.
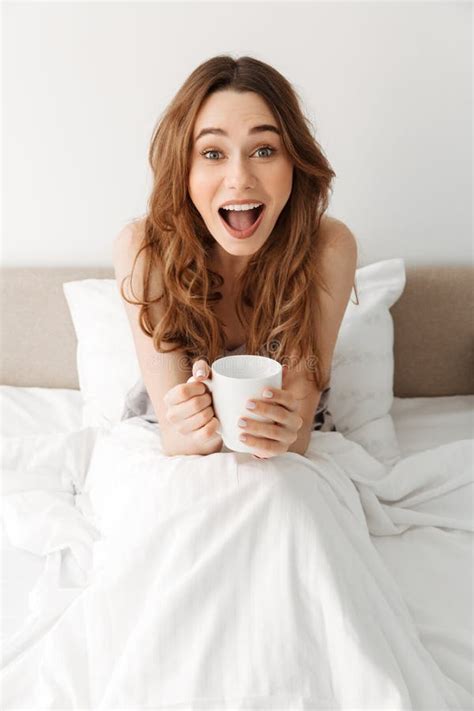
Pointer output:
236, 379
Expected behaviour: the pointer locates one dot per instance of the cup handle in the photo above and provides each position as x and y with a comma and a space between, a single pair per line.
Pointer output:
208, 383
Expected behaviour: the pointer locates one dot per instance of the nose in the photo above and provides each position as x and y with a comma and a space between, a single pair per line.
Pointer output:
239, 174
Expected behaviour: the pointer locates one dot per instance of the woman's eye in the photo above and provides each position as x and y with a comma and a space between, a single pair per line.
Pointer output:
204, 153
262, 148
267, 148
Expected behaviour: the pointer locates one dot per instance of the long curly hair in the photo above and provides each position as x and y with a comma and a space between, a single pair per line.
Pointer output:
278, 285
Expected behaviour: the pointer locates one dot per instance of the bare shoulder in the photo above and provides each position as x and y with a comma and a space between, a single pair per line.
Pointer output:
335, 232
338, 257
129, 238
128, 256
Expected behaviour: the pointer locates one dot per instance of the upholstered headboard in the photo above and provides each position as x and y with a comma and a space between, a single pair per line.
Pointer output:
433, 322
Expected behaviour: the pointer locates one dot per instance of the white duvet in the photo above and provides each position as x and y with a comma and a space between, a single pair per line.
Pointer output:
224, 582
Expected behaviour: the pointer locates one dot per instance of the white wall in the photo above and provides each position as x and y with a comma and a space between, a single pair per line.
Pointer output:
387, 85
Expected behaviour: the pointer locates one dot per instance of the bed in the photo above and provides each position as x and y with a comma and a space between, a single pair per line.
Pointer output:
49, 443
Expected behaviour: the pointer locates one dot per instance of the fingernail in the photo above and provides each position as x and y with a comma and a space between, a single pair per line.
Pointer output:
200, 373
250, 405
267, 393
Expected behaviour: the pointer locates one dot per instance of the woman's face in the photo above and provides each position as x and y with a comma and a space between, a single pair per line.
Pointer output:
238, 166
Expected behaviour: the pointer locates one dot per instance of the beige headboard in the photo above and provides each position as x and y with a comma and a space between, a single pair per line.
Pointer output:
433, 319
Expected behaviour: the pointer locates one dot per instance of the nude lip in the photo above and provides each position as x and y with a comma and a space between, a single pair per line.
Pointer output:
243, 234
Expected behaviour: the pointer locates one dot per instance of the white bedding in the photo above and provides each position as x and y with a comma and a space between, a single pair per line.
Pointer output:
27, 411
430, 563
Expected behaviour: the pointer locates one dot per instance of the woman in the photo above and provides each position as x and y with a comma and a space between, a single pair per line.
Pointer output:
220, 582
235, 255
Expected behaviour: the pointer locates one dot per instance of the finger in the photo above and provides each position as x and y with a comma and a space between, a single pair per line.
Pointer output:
209, 432
257, 456
201, 369
264, 447
197, 420
273, 412
268, 430
279, 396
183, 392
188, 408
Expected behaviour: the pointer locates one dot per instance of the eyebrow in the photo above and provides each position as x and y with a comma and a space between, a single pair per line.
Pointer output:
256, 129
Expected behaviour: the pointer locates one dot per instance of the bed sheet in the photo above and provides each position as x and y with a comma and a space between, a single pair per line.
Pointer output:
213, 539
29, 411
420, 423
25, 411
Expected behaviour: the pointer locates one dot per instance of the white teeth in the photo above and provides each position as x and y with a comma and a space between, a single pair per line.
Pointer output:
248, 206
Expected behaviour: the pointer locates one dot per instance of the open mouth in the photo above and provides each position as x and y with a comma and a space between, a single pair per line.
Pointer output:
241, 219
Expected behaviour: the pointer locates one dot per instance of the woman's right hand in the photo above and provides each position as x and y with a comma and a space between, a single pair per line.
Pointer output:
189, 408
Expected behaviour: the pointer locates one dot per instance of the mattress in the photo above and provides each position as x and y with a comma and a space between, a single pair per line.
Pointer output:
420, 423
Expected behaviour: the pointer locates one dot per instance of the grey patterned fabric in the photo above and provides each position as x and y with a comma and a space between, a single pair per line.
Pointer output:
138, 403
323, 419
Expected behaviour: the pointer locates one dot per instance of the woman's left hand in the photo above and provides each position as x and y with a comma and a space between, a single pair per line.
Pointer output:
269, 439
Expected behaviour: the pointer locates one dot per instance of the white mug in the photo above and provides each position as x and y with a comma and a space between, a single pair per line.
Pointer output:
236, 379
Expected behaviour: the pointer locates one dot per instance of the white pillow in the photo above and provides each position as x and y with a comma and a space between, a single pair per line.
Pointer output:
361, 394
107, 364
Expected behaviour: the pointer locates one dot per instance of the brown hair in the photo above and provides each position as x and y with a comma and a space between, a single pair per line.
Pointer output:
278, 284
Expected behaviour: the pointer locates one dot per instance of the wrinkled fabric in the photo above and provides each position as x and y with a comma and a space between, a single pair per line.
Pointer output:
223, 582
